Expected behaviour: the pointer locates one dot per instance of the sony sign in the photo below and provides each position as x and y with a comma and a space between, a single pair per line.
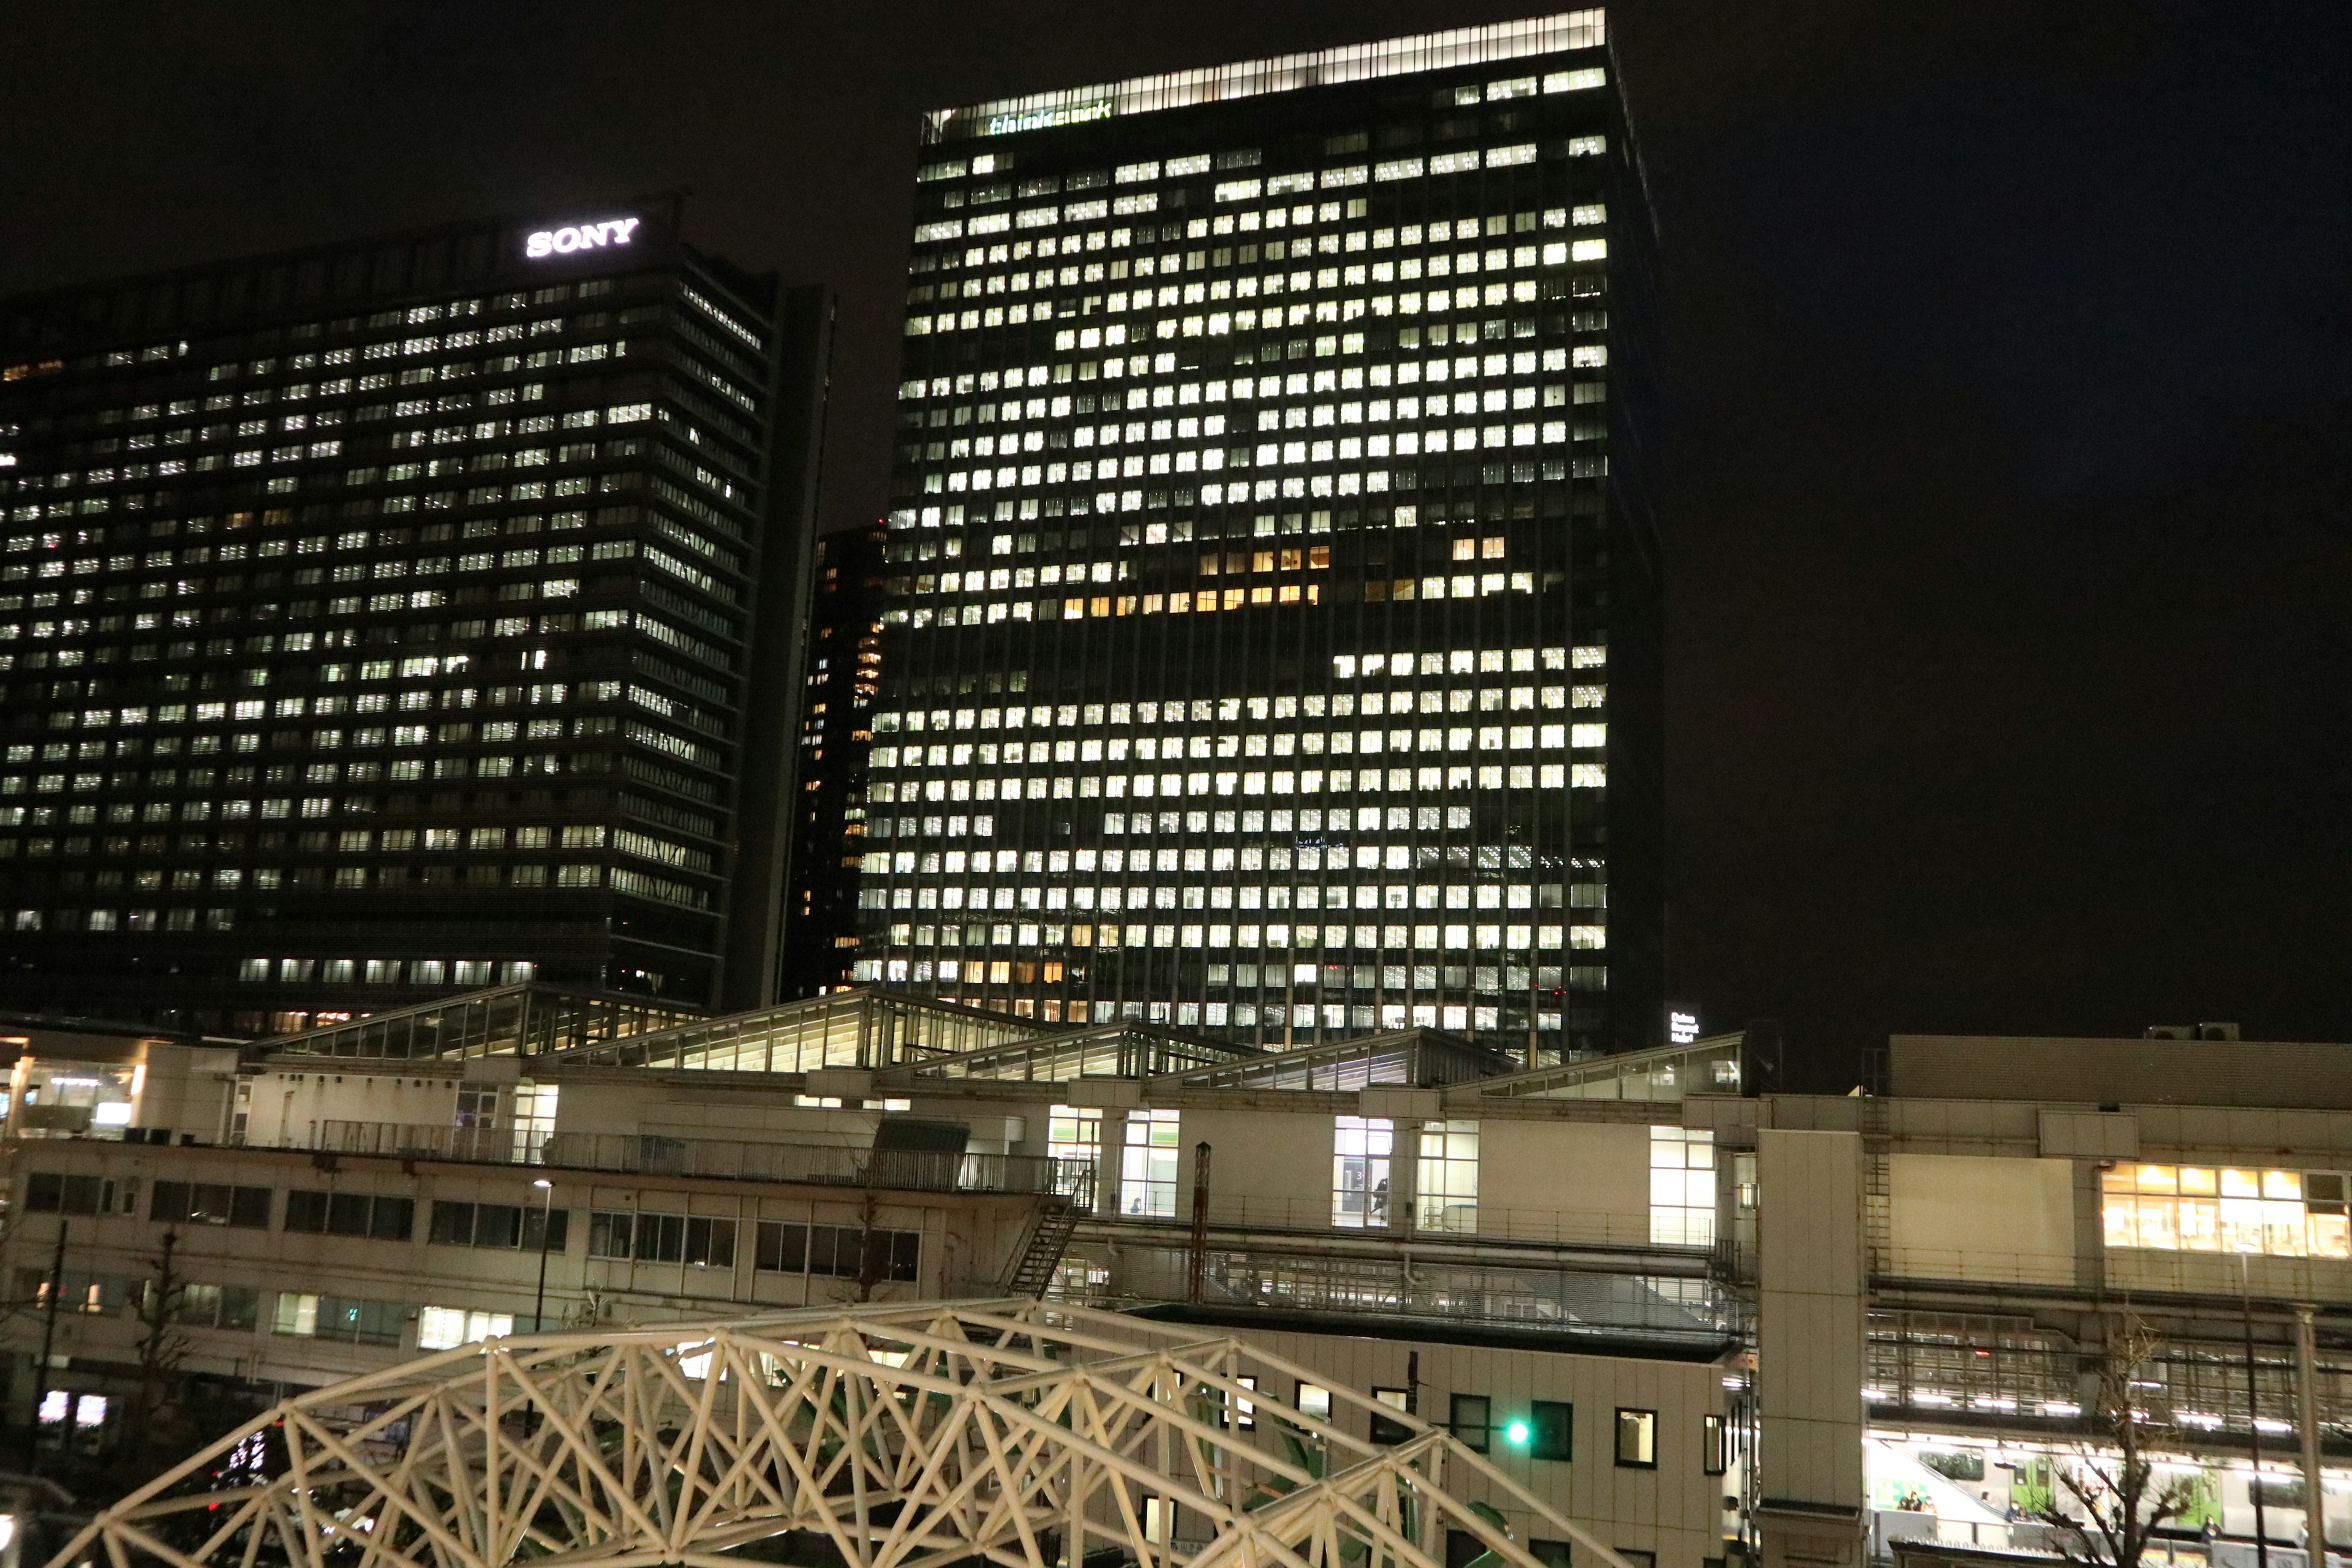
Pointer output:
580, 237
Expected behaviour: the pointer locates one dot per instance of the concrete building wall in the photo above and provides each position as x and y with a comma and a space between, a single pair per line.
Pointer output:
1590, 1180
1267, 1166
1960, 1216
1675, 1509
967, 1242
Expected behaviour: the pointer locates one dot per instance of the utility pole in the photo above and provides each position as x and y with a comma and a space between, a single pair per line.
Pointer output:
2315, 1500
2253, 1416
48, 1343
546, 1216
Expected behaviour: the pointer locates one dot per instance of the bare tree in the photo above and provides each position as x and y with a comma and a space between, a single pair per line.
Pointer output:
873, 1248
2109, 1502
163, 1343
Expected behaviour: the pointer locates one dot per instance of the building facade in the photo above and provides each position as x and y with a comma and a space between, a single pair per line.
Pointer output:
840, 685
376, 621
1271, 527
1707, 1323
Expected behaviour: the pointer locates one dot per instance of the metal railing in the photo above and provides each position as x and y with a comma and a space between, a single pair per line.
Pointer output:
632, 1154
1464, 1222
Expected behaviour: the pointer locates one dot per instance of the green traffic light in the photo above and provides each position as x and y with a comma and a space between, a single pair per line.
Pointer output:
1517, 1434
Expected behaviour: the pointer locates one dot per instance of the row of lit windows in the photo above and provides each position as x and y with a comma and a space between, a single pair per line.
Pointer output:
358, 879
418, 700
1309, 781
1275, 280
1412, 236
1114, 901
303, 424
1275, 213
415, 770
1150, 748
1458, 1019
2190, 1208
1522, 468
1487, 738
1229, 709
1310, 819
303, 390
1461, 937
1294, 384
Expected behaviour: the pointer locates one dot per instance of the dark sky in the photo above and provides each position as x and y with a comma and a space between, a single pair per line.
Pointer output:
2007, 526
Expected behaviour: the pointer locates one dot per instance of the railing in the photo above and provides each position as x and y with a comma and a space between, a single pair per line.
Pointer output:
1464, 1222
819, 1164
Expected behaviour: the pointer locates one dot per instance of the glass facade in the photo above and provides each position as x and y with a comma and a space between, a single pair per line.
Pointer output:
374, 624
1272, 639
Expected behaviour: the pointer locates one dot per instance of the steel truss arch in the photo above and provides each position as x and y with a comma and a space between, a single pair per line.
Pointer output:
1028, 1434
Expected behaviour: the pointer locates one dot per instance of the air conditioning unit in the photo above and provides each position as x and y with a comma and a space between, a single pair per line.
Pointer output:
2171, 1031
2217, 1031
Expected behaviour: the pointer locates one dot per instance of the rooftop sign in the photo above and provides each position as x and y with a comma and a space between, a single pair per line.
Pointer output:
580, 237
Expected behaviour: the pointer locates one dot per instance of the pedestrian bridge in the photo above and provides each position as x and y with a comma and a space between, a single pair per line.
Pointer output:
1028, 1434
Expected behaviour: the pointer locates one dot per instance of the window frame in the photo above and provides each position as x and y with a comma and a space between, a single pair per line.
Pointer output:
1618, 1427
1483, 1427
1385, 1431
1563, 1425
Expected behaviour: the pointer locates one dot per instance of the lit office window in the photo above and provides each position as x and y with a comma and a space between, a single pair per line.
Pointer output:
1361, 1151
2192, 1208
1682, 1187
1147, 1171
1446, 1186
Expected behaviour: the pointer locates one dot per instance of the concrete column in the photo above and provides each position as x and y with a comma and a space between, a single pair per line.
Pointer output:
1811, 1325
1404, 1175
1110, 1138
2307, 1399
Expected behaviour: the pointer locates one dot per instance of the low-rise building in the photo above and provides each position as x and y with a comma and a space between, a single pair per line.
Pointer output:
1706, 1323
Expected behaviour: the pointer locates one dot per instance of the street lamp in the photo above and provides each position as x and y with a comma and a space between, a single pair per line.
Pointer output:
546, 1215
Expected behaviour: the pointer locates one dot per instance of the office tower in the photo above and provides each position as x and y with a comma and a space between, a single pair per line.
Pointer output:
1274, 645
376, 621
843, 678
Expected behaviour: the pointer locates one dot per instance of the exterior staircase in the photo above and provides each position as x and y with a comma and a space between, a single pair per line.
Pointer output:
1041, 1252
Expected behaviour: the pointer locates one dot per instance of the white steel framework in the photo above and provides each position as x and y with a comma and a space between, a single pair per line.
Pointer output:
1032, 1435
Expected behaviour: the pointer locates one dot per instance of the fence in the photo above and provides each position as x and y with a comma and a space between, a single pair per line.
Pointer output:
819, 1164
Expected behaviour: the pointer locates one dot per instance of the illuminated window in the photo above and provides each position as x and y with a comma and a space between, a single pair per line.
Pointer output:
446, 1327
2191, 1208
1637, 1440
1147, 1173
1682, 1187
1074, 1132
1361, 1151
1446, 1186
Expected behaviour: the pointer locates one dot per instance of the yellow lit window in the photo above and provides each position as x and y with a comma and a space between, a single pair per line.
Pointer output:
2275, 1213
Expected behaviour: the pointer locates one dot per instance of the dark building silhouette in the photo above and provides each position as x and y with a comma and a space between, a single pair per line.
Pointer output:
844, 675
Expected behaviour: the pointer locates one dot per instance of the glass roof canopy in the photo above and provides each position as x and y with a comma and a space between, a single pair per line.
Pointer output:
1112, 1050
507, 1020
857, 1028
1713, 1066
910, 1039
1417, 1059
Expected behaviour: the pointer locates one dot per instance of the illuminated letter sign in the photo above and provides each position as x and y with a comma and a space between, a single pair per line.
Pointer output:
580, 237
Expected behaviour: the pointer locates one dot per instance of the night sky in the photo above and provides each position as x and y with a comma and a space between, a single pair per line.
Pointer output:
2007, 518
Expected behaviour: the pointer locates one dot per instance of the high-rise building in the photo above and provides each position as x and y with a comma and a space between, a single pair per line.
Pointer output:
1274, 647
377, 620
843, 678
